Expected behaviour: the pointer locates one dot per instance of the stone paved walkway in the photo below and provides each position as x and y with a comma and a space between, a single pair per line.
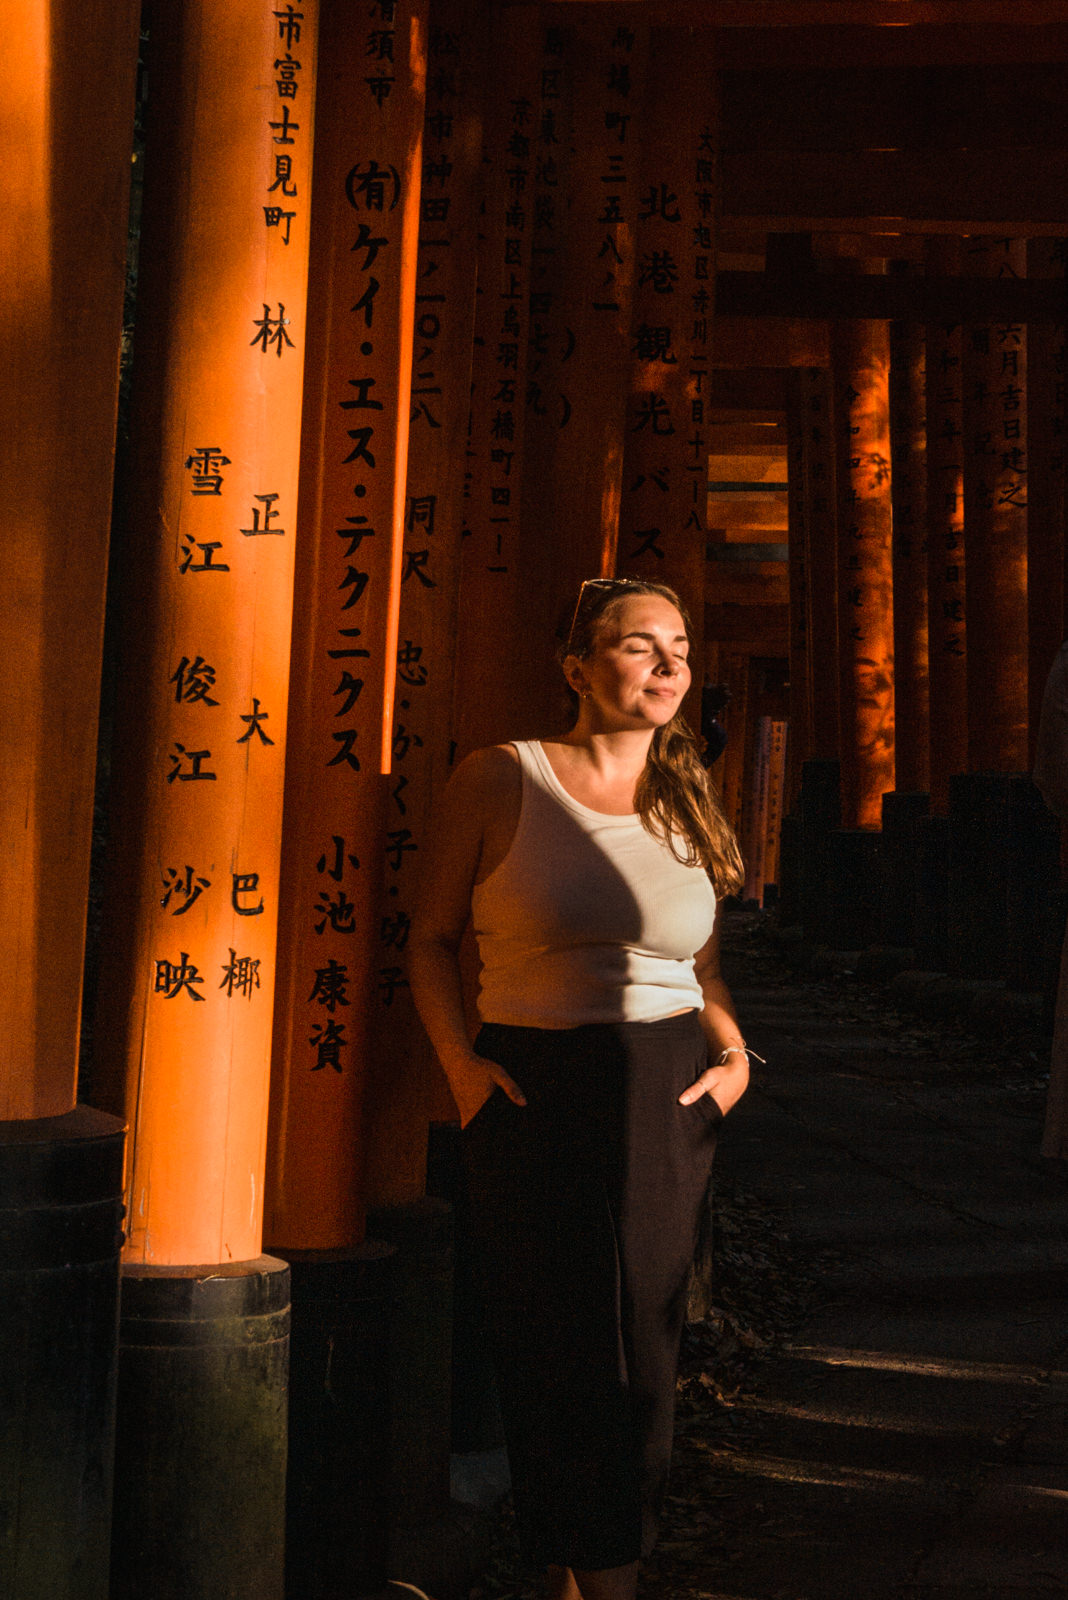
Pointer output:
911, 1442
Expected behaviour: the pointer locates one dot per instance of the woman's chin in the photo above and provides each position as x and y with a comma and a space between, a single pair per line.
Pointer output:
662, 710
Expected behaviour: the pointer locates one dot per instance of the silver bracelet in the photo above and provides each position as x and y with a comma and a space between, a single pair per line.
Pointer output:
738, 1050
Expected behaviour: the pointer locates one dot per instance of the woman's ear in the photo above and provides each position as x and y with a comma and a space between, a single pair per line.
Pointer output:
575, 674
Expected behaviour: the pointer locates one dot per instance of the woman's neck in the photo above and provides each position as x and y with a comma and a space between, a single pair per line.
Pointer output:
611, 753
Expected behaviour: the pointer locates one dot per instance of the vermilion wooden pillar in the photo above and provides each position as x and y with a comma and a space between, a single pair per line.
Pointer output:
62, 278
947, 627
63, 264
342, 834
818, 429
187, 979
995, 512
491, 672
552, 352
665, 470
861, 361
908, 484
799, 746
591, 103
1046, 416
406, 1087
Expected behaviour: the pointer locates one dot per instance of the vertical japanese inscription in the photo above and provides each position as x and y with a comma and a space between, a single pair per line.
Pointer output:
336, 850
665, 494
485, 702
421, 747
190, 964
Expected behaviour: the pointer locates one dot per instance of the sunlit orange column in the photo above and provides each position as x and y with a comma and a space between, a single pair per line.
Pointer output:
947, 634
817, 412
908, 487
62, 280
799, 746
861, 362
491, 672
62, 262
1046, 418
406, 1087
340, 963
187, 982
665, 489
994, 360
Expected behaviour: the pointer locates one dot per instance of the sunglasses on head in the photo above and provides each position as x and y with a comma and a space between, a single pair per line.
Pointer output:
594, 583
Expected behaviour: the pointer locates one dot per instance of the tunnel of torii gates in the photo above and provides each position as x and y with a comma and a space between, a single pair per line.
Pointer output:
441, 308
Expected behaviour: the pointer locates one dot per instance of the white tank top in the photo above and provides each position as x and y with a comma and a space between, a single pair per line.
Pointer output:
588, 918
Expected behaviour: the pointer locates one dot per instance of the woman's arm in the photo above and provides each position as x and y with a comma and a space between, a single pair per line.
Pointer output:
474, 797
727, 1083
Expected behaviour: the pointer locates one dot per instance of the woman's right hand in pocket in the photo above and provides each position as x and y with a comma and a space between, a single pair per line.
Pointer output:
473, 1079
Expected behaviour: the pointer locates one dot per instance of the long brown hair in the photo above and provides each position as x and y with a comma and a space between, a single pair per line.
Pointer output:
674, 797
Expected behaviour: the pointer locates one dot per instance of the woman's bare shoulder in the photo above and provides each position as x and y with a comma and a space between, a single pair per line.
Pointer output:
490, 774
493, 761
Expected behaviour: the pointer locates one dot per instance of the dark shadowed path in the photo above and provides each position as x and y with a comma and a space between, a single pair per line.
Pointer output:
910, 1440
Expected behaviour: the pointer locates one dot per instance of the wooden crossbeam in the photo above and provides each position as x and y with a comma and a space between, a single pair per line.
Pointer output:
955, 186
943, 300
831, 107
983, 41
821, 13
896, 189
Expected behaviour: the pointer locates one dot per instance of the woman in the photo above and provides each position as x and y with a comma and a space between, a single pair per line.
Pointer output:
609, 1052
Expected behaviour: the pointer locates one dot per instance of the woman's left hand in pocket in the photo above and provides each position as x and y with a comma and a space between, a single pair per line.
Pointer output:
725, 1084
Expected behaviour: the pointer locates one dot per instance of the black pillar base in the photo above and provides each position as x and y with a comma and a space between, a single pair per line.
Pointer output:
902, 813
1033, 861
978, 874
821, 814
337, 1510
60, 1234
790, 859
420, 1346
932, 894
852, 890
201, 1448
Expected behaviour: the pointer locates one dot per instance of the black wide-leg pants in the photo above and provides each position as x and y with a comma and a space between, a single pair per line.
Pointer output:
584, 1211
